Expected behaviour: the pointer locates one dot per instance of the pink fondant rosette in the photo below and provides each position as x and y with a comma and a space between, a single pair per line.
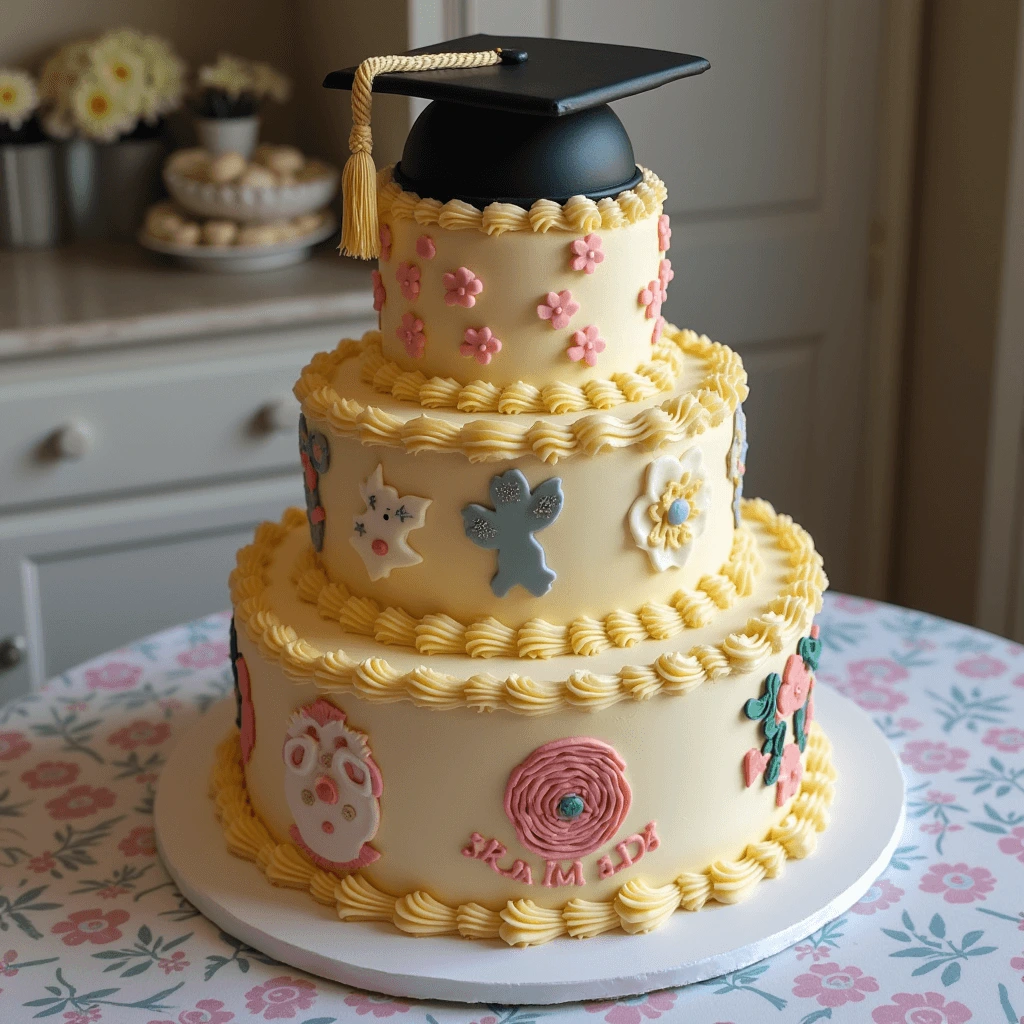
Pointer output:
568, 798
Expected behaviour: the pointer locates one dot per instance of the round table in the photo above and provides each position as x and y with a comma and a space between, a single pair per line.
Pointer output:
94, 930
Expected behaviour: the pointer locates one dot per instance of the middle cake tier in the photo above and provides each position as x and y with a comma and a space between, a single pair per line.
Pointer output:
419, 500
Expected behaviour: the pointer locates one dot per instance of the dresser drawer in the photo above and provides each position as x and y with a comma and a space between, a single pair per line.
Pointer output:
199, 411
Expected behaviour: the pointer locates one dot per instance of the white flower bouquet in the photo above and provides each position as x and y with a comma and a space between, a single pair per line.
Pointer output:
236, 87
19, 101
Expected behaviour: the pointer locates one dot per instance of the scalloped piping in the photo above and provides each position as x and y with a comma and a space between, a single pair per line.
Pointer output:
577, 214
650, 379
638, 907
537, 638
785, 618
714, 399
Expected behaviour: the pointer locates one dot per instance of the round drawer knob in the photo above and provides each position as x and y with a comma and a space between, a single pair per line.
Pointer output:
276, 416
12, 650
73, 440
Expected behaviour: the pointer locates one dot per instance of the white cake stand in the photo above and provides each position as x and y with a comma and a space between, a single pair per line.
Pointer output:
867, 821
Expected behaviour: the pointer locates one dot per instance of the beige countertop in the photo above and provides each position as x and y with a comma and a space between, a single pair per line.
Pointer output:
99, 295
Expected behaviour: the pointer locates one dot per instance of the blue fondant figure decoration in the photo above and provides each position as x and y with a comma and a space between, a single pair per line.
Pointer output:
316, 458
510, 526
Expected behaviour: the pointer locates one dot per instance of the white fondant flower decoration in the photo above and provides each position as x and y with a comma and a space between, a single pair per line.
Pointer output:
671, 513
380, 534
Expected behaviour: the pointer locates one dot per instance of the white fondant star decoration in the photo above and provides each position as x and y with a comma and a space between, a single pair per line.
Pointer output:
380, 534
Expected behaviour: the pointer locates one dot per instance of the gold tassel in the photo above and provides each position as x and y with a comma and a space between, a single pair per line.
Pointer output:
360, 232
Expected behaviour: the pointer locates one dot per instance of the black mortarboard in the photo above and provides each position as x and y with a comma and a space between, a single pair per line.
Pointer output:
513, 119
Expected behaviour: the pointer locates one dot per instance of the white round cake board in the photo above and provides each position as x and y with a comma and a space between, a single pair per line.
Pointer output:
287, 924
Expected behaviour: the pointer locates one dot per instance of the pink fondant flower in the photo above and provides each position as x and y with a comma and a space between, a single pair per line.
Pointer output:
13, 745
425, 247
957, 882
93, 926
79, 802
790, 775
205, 655
115, 675
379, 291
586, 253
881, 896
635, 1009
139, 733
140, 842
664, 233
47, 774
929, 1008
586, 345
559, 308
650, 299
929, 757
796, 685
207, 1011
410, 334
379, 1006
1009, 739
461, 288
1013, 844
665, 275
832, 985
408, 277
281, 997
385, 242
480, 344
982, 666
659, 326
876, 670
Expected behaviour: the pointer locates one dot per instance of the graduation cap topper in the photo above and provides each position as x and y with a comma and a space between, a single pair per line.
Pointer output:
514, 119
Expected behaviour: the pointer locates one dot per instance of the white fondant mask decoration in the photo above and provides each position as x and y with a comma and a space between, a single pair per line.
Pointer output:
332, 786
380, 534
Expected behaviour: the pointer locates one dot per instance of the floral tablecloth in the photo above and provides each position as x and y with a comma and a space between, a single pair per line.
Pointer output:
93, 930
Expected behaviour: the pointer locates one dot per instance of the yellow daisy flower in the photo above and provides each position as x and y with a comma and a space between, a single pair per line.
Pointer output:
119, 64
18, 98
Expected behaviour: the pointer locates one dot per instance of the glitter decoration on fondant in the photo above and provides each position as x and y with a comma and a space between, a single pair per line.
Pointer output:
380, 534
408, 277
582, 775
650, 299
379, 293
385, 242
659, 326
664, 233
671, 513
461, 288
425, 247
736, 461
586, 253
510, 526
665, 276
245, 714
558, 308
410, 334
586, 345
332, 786
316, 458
481, 344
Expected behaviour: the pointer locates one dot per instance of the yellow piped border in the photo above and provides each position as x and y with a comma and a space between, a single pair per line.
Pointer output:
537, 638
638, 906
651, 378
716, 397
786, 617
579, 214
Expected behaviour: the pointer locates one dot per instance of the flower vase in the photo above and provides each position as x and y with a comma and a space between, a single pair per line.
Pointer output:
228, 134
28, 196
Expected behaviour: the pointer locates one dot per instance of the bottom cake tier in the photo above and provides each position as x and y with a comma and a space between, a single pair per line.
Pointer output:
525, 799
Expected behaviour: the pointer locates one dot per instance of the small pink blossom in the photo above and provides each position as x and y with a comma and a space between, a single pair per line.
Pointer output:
408, 277
481, 344
82, 1017
586, 345
876, 670
80, 801
873, 698
815, 952
935, 796
281, 997
559, 308
1013, 844
410, 334
586, 253
139, 733
796, 685
957, 882
832, 985
115, 675
425, 247
665, 276
881, 896
635, 1009
461, 288
909, 724
43, 862
928, 757
207, 1011
1017, 963
5, 964
650, 299
385, 242
111, 892
370, 1003
659, 326
790, 775
140, 842
929, 1008
935, 828
981, 666
1009, 739
174, 963
379, 291
1019, 681
94, 926
853, 605
664, 233
205, 655
48, 774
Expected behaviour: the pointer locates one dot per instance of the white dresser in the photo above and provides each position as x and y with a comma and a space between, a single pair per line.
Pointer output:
146, 425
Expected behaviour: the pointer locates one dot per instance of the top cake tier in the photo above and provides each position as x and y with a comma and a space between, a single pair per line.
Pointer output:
560, 292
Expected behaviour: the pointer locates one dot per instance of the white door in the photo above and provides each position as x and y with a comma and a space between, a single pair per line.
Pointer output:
768, 158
